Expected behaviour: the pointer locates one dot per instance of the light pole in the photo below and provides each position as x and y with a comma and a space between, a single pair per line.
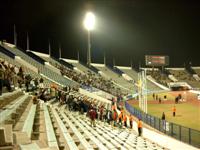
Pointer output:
89, 22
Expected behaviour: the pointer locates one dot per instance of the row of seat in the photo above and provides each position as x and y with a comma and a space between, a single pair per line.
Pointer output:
78, 132
61, 129
10, 117
134, 75
26, 70
8, 98
43, 70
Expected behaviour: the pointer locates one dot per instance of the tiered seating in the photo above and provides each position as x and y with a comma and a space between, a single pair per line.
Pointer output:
7, 98
43, 70
197, 70
13, 110
6, 141
64, 132
82, 67
125, 85
51, 138
159, 77
26, 70
184, 76
14, 117
84, 75
134, 75
77, 129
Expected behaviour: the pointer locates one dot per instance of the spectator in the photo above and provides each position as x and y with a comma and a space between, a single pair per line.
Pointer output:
139, 127
163, 120
131, 121
92, 115
27, 82
125, 120
120, 118
114, 117
35, 100
41, 84
36, 83
163, 116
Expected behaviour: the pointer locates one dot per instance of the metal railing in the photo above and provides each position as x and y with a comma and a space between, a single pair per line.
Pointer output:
179, 132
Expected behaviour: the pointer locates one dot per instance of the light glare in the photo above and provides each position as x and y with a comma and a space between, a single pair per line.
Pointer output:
89, 21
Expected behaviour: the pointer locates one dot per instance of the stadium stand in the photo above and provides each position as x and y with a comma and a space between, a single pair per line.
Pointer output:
134, 75
42, 69
81, 74
184, 76
52, 117
159, 76
24, 67
116, 78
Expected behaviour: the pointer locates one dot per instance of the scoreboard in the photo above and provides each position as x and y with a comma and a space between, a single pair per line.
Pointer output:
156, 60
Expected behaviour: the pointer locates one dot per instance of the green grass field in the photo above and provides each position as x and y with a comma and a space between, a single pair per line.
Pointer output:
187, 114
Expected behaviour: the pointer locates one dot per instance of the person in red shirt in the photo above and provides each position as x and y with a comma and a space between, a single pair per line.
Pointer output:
92, 114
101, 112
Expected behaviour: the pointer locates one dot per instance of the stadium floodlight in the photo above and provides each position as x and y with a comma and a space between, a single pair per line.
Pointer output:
89, 23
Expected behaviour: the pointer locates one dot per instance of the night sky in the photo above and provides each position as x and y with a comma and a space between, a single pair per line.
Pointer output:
125, 29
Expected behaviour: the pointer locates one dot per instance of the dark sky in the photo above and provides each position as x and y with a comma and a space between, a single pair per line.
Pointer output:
125, 29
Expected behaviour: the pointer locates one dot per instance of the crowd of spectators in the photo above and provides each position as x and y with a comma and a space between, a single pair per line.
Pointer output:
13, 77
182, 75
90, 79
159, 76
94, 109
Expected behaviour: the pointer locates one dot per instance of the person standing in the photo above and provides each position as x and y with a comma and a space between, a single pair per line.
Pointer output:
92, 114
163, 120
159, 100
125, 120
131, 121
174, 111
120, 117
156, 97
163, 116
153, 96
114, 117
139, 127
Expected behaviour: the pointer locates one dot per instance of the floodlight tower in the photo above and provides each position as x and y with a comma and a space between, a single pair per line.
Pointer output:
89, 23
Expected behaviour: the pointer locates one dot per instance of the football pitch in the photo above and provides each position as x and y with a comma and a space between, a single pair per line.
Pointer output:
187, 111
